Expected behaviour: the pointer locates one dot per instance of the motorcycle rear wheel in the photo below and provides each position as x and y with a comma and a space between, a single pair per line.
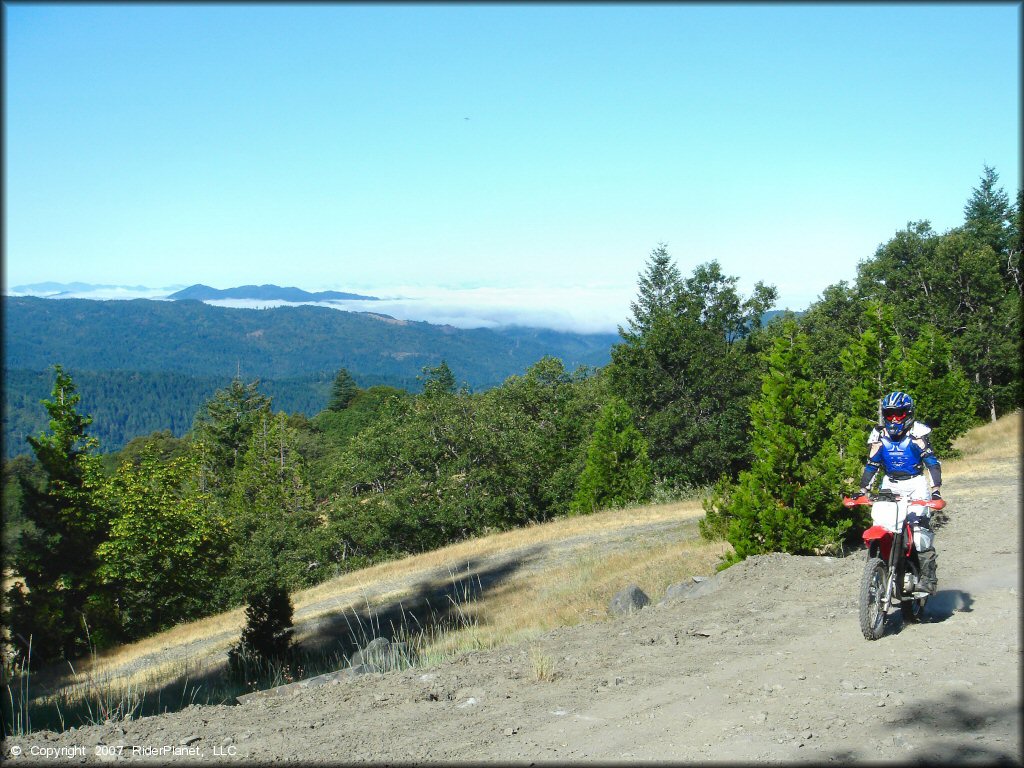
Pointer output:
913, 610
872, 591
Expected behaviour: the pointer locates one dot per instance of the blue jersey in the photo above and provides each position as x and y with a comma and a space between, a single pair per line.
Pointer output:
902, 458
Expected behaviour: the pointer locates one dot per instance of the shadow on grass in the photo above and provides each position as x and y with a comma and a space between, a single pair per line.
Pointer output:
430, 608
434, 604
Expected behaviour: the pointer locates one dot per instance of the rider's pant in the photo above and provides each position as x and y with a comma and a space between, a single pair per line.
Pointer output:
916, 488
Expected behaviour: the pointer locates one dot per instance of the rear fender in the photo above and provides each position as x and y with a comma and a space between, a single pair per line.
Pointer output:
878, 540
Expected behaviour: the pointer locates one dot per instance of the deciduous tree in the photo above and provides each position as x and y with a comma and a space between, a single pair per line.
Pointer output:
167, 543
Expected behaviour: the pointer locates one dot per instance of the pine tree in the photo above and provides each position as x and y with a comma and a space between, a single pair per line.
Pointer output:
943, 398
688, 370
222, 429
617, 471
988, 212
343, 391
790, 499
870, 363
57, 558
438, 380
267, 636
660, 286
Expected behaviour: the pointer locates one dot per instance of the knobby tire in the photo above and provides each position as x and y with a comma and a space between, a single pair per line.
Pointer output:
872, 590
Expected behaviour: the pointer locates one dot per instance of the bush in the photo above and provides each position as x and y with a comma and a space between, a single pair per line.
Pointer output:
267, 636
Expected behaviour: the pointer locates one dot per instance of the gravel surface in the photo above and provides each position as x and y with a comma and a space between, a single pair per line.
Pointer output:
765, 664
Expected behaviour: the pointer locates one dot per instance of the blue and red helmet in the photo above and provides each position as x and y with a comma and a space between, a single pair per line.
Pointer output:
898, 413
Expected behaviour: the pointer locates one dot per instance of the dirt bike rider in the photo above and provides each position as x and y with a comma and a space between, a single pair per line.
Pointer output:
901, 445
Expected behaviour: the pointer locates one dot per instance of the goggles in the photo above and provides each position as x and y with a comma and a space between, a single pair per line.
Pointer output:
897, 416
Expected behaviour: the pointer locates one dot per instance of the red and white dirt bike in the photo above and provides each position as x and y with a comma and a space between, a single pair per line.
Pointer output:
892, 571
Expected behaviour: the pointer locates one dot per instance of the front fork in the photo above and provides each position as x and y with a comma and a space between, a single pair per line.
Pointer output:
890, 587
899, 561
890, 597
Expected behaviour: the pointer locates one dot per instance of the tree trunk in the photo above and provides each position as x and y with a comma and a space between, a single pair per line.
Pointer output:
991, 398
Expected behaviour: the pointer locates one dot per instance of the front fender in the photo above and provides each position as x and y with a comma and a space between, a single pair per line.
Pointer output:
878, 539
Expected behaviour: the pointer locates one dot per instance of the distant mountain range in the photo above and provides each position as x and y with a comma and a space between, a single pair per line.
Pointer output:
201, 292
56, 289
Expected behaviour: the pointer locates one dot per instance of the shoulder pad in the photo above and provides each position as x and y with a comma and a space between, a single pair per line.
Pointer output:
920, 429
875, 436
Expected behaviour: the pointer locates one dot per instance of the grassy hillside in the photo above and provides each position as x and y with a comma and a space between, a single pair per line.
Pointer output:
568, 589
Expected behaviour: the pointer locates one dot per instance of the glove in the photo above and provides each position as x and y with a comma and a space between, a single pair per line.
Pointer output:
935, 495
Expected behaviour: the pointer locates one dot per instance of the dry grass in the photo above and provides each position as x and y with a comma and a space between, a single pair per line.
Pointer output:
101, 665
523, 608
542, 666
994, 442
354, 584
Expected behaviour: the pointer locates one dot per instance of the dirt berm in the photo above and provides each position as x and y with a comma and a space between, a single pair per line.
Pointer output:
766, 664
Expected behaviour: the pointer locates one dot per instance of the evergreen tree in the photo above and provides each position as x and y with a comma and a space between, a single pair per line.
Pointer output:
942, 394
63, 609
870, 362
222, 429
343, 391
1015, 237
830, 325
967, 284
266, 637
790, 498
16, 473
982, 320
688, 373
438, 380
618, 471
988, 212
660, 286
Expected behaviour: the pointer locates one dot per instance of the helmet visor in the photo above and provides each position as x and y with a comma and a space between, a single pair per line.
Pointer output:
897, 415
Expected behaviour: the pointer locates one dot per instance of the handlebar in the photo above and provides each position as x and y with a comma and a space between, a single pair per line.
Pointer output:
868, 501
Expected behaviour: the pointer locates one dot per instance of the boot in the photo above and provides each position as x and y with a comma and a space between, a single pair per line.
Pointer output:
928, 580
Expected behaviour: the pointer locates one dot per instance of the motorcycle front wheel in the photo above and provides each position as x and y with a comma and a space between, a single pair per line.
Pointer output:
872, 592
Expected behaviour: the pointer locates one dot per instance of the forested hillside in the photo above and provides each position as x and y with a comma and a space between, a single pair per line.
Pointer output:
127, 404
145, 365
194, 338
767, 422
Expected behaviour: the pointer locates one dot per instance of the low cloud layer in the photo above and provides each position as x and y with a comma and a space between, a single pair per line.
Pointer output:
577, 309
581, 310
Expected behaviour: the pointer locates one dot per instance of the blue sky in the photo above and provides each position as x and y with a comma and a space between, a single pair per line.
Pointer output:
452, 153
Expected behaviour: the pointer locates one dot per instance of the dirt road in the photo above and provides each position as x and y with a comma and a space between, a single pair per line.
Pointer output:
768, 666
